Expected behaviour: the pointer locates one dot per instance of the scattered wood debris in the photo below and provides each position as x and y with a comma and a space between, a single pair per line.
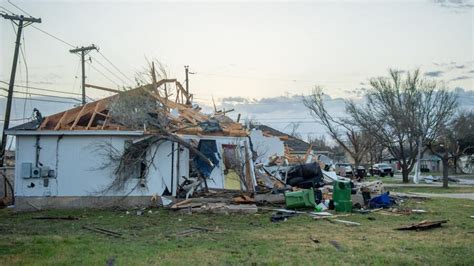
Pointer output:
336, 245
314, 239
243, 199
270, 198
102, 231
193, 230
212, 207
349, 223
423, 225
68, 218
320, 217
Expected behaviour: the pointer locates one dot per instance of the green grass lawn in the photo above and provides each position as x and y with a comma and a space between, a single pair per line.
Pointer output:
385, 179
238, 239
466, 189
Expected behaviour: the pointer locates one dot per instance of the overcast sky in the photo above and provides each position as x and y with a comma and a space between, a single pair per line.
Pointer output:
246, 49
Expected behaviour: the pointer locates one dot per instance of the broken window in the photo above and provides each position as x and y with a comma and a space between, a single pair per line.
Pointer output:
138, 165
232, 167
209, 149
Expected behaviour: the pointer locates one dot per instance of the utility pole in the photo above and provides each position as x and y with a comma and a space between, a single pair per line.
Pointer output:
21, 22
83, 51
186, 70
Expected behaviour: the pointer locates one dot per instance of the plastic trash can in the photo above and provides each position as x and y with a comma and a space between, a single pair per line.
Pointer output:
342, 196
300, 199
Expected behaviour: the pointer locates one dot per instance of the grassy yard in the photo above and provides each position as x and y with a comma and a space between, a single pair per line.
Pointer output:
466, 189
154, 238
385, 179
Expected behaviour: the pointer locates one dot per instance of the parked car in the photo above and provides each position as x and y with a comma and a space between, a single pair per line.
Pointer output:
343, 169
361, 172
381, 169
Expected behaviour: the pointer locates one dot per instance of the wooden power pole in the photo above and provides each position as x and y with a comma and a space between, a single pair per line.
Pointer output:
21, 22
83, 51
186, 71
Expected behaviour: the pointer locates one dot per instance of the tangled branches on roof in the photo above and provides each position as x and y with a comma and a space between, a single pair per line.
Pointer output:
137, 110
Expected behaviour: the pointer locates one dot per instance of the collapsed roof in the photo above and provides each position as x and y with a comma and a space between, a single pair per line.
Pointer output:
295, 145
179, 116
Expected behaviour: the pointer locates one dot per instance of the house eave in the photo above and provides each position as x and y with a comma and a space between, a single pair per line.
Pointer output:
74, 132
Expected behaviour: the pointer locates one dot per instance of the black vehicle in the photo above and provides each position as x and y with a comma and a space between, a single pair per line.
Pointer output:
361, 172
381, 169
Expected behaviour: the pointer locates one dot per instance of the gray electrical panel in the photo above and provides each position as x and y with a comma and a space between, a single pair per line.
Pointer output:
30, 171
26, 170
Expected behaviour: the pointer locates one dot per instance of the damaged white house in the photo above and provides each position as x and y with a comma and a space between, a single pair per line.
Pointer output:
89, 157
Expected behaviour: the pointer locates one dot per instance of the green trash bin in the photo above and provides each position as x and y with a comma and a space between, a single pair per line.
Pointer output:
300, 199
342, 196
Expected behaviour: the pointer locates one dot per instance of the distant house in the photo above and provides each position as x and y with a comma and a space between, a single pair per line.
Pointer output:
63, 160
429, 162
292, 146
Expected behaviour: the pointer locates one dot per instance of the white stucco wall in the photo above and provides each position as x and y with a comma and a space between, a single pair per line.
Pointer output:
266, 146
76, 161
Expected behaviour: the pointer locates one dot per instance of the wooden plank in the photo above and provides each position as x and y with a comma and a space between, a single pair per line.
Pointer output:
101, 88
58, 125
78, 117
93, 116
194, 115
45, 122
187, 117
248, 177
183, 91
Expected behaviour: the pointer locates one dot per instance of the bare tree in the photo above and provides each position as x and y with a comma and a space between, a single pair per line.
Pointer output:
454, 140
345, 134
375, 153
141, 109
402, 112
293, 127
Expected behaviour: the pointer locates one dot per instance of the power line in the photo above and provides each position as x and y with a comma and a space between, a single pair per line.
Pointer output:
105, 76
75, 75
6, 9
22, 22
108, 70
39, 94
41, 100
17, 7
116, 68
41, 89
15, 119
52, 36
22, 52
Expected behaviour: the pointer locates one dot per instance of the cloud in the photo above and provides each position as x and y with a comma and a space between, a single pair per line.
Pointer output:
279, 111
235, 100
434, 74
461, 78
455, 4
358, 92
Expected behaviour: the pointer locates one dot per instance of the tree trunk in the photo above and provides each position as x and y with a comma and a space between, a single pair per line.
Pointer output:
405, 173
445, 172
455, 160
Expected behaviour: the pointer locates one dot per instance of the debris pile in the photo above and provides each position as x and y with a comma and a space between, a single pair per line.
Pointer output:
157, 113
